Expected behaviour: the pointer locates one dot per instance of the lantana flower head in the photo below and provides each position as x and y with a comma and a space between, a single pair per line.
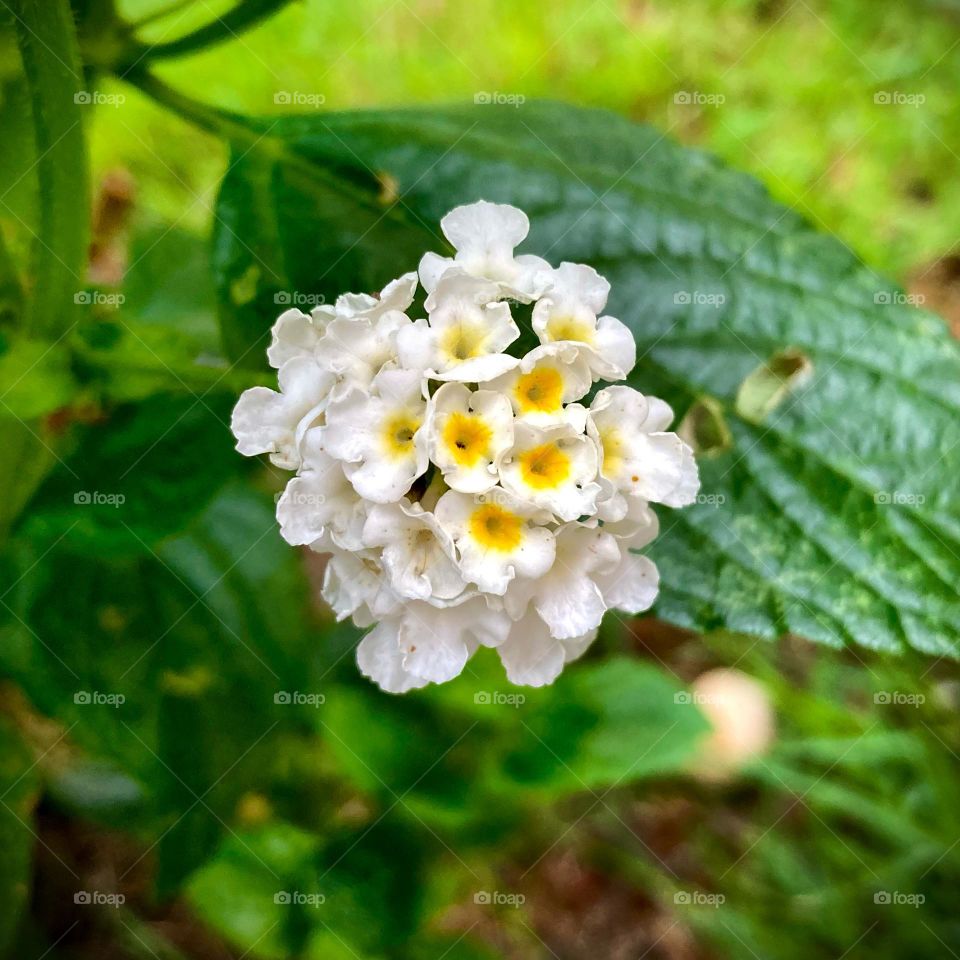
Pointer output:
470, 494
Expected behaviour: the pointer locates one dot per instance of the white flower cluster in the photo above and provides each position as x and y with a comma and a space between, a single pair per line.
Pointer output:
466, 496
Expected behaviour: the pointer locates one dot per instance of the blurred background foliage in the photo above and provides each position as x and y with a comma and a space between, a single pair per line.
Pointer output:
191, 766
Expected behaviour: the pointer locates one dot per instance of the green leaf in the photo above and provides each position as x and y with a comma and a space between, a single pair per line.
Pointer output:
280, 891
18, 795
838, 518
240, 891
126, 487
35, 378
127, 360
606, 725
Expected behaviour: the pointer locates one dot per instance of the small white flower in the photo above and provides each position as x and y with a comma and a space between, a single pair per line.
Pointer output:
380, 659
361, 338
397, 295
354, 585
553, 468
378, 435
635, 523
418, 555
429, 644
639, 457
532, 657
356, 350
465, 335
296, 334
265, 421
496, 538
570, 310
467, 432
545, 382
567, 597
320, 507
484, 236
632, 586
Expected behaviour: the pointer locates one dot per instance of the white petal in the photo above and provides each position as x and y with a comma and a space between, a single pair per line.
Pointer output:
567, 598
689, 485
577, 646
432, 268
265, 421
530, 655
479, 369
380, 659
293, 335
615, 348
633, 586
351, 581
434, 642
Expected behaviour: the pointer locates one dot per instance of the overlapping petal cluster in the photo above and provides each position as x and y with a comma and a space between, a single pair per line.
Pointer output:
469, 492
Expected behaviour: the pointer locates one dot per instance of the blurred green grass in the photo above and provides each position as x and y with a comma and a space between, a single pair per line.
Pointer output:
798, 82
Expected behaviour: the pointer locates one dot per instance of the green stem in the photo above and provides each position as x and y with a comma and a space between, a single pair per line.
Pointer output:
241, 18
160, 14
218, 122
241, 132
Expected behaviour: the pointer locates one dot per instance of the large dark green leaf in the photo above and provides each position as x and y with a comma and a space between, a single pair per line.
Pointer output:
834, 513
140, 477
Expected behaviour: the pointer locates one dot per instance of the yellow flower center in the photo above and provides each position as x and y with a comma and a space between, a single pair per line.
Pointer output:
495, 528
612, 443
544, 467
462, 341
539, 391
397, 434
466, 438
569, 328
